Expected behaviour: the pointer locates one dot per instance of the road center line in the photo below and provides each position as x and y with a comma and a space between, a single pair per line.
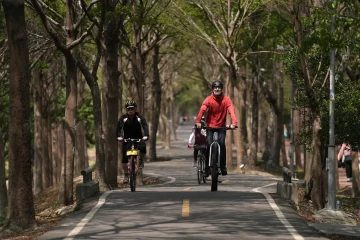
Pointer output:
186, 208
88, 217
278, 213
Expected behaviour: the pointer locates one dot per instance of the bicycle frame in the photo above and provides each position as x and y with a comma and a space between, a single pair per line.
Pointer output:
215, 141
132, 154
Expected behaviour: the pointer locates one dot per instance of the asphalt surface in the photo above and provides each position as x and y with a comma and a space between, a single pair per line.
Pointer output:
244, 207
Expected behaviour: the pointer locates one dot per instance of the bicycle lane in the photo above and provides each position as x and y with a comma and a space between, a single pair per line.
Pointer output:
182, 208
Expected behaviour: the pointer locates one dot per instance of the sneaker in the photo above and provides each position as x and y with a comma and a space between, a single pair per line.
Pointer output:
223, 171
126, 178
141, 163
208, 178
349, 179
194, 164
242, 166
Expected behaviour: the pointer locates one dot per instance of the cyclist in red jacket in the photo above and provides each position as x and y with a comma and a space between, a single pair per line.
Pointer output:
217, 106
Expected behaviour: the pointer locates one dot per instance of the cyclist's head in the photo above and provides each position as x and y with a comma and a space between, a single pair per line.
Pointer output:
217, 87
130, 106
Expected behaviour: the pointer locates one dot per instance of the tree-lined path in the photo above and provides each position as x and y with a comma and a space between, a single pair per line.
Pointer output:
180, 208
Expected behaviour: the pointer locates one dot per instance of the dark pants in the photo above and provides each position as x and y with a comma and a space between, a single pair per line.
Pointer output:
141, 146
348, 168
196, 151
221, 141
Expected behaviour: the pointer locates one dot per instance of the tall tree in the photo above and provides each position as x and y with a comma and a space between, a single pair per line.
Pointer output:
3, 189
21, 213
66, 46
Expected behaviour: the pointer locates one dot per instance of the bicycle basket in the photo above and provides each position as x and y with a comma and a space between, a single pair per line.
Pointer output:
131, 152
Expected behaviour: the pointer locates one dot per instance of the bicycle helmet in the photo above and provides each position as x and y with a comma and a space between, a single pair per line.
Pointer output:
217, 83
130, 104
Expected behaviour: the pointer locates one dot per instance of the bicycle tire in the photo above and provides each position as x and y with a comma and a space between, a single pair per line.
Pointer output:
132, 174
214, 168
203, 169
199, 170
201, 160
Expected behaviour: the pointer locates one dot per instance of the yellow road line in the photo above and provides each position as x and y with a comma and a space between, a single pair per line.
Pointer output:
187, 189
186, 208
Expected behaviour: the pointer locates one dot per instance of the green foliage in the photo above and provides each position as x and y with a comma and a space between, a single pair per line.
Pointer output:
347, 112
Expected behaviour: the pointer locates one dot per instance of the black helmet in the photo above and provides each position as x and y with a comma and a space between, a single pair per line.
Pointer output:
217, 84
130, 104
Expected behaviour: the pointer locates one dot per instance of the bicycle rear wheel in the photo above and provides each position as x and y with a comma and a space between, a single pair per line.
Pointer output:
202, 167
132, 174
214, 168
199, 170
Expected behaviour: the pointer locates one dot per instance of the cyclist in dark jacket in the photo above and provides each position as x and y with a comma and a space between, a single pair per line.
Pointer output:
132, 125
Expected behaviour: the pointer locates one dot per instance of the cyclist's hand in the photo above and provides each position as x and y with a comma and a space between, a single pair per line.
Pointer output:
190, 145
232, 126
145, 138
120, 139
198, 125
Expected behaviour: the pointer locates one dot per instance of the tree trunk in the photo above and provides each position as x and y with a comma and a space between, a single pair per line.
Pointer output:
254, 115
66, 187
228, 140
3, 189
279, 127
47, 170
111, 74
138, 62
156, 104
120, 109
355, 176
100, 144
237, 133
315, 185
21, 213
58, 150
38, 146
81, 149
297, 128
242, 120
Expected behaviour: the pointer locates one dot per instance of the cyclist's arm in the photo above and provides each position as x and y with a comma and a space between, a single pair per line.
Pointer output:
144, 126
191, 138
203, 108
230, 108
120, 126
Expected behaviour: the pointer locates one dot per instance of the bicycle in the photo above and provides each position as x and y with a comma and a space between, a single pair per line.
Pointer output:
200, 169
132, 155
214, 157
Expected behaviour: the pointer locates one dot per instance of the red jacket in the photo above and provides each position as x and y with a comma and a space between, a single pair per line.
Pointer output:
217, 109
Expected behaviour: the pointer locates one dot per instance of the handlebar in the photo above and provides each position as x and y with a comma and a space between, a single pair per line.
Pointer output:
132, 140
227, 127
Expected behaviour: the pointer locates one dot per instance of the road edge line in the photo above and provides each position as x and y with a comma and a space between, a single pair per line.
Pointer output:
279, 213
77, 229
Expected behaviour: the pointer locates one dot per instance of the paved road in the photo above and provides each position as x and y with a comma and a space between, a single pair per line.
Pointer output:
245, 207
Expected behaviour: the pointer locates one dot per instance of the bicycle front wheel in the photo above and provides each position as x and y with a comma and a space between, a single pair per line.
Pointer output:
214, 168
132, 174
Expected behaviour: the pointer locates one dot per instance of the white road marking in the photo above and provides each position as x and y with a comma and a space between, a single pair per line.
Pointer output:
88, 217
101, 202
278, 212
